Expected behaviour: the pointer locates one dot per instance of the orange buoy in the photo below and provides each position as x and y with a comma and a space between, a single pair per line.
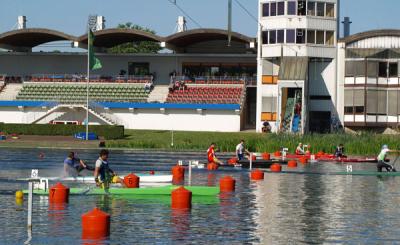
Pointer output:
227, 184
276, 168
131, 181
152, 172
232, 161
181, 198
303, 160
178, 173
277, 154
95, 224
257, 174
266, 156
292, 164
58, 193
212, 166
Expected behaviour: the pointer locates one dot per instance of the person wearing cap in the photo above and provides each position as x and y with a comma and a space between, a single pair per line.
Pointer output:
73, 165
300, 149
382, 157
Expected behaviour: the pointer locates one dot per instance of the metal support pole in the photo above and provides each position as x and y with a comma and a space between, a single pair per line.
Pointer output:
190, 173
30, 203
251, 161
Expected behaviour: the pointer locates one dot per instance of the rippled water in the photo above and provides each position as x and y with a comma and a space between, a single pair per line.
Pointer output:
282, 209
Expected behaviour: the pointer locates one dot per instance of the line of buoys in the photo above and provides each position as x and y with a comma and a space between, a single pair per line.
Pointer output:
257, 174
95, 224
178, 174
181, 198
266, 156
212, 166
227, 184
58, 193
131, 181
276, 168
292, 164
303, 160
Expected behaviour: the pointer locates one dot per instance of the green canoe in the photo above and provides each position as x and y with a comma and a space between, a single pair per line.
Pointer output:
164, 190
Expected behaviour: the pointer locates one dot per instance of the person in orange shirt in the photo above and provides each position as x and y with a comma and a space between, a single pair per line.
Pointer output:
211, 155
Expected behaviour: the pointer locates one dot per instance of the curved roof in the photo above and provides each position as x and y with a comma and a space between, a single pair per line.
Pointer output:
186, 38
33, 37
370, 34
112, 37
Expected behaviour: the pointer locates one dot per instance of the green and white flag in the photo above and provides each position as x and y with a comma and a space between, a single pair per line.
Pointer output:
94, 63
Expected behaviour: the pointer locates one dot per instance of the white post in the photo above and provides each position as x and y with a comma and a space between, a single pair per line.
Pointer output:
251, 161
30, 203
87, 85
190, 173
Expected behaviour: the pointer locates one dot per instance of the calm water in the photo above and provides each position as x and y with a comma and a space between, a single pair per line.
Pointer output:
282, 209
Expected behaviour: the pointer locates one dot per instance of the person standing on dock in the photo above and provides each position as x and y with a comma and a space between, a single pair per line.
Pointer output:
300, 149
103, 174
73, 165
211, 155
240, 150
382, 157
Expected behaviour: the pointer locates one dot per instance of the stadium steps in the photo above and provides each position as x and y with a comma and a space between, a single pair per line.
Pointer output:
159, 94
11, 91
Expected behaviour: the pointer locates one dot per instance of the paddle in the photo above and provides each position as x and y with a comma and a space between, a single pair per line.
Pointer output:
394, 164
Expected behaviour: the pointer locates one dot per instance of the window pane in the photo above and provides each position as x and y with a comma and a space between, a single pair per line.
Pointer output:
359, 98
349, 69
320, 37
311, 37
272, 37
281, 8
359, 68
311, 9
382, 99
321, 9
290, 36
300, 36
330, 38
348, 97
392, 100
330, 10
265, 37
382, 69
359, 109
266, 9
372, 69
372, 102
269, 104
291, 8
281, 36
301, 7
348, 110
273, 9
393, 69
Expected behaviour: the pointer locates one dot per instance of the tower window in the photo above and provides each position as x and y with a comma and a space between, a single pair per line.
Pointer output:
272, 37
265, 37
290, 36
330, 38
330, 10
321, 9
300, 36
281, 8
301, 7
273, 9
265, 9
320, 37
311, 9
280, 36
311, 37
291, 8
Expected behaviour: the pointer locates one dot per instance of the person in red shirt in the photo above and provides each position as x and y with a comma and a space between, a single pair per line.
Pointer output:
211, 155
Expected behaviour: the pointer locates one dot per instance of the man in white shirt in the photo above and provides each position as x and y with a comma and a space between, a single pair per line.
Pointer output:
240, 150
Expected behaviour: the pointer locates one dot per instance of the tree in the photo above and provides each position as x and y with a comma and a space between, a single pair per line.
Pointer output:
136, 47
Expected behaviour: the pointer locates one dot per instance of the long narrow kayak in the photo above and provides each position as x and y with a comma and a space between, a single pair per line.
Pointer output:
356, 173
164, 190
349, 160
260, 163
146, 178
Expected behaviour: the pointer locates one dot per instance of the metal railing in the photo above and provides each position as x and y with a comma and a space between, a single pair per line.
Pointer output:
83, 78
247, 80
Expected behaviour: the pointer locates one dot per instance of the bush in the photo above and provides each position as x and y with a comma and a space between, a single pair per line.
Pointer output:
106, 131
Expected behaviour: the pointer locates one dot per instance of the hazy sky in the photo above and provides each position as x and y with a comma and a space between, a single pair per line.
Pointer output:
70, 16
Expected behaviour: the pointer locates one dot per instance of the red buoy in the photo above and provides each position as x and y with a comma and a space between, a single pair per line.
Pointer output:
257, 174
131, 181
95, 224
266, 156
152, 172
277, 154
178, 174
276, 168
232, 161
303, 160
58, 193
292, 164
181, 198
212, 166
227, 184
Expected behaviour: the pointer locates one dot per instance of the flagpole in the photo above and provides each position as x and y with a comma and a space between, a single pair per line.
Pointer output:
87, 85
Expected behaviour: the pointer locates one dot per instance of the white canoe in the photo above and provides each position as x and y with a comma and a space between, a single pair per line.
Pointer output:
145, 178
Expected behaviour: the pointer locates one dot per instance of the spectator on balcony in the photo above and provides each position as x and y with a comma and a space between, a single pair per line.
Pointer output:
148, 86
266, 127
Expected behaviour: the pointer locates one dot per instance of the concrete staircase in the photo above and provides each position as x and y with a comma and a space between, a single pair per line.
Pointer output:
159, 94
11, 91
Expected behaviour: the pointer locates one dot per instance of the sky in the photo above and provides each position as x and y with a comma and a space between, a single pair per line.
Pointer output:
70, 16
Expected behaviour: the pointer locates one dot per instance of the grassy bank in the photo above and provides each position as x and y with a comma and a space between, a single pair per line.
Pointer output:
364, 144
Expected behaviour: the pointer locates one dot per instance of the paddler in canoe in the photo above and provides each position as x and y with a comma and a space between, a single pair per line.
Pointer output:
339, 152
241, 150
73, 166
382, 158
211, 157
300, 149
103, 174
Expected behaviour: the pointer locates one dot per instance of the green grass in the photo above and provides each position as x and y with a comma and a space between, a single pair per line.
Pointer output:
363, 144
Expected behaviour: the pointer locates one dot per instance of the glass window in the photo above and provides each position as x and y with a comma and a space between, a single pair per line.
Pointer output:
265, 9
372, 69
348, 98
291, 8
330, 38
265, 37
300, 36
311, 9
348, 110
359, 98
359, 68
301, 7
290, 36
321, 9
272, 37
273, 9
349, 69
330, 10
382, 102
138, 69
372, 101
382, 69
311, 36
280, 36
320, 37
281, 8
392, 100
393, 69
